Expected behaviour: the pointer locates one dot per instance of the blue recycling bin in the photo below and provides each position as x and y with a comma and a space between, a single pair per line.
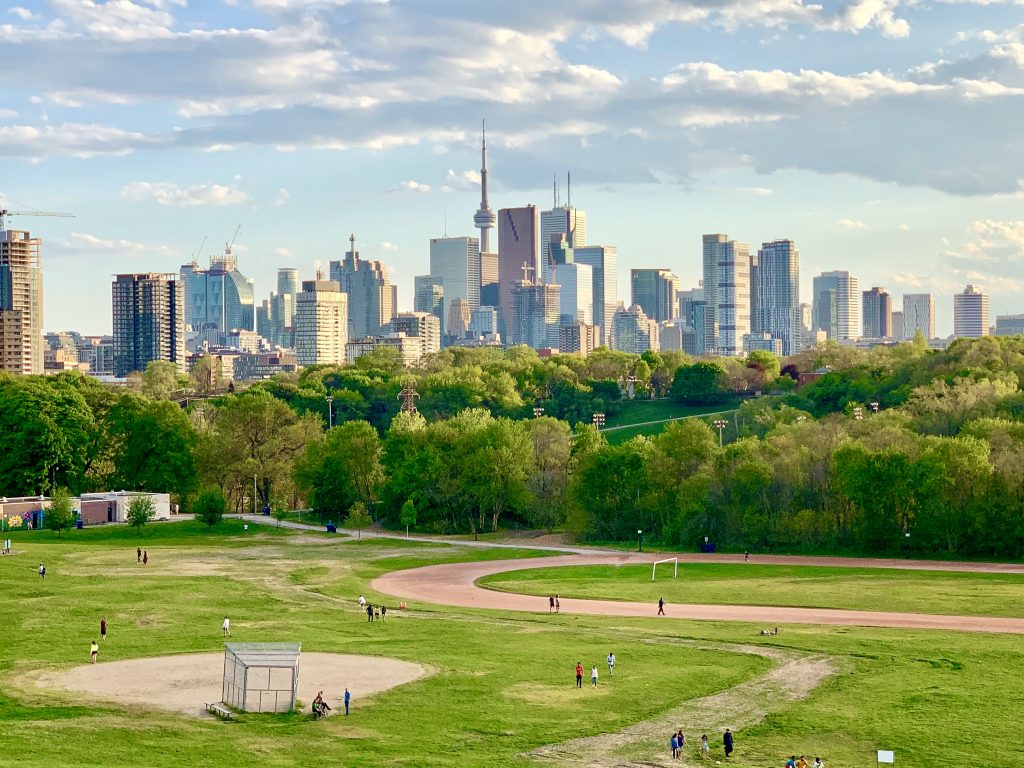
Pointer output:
332, 528
79, 524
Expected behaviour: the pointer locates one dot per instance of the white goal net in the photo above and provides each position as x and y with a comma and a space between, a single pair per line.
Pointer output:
675, 567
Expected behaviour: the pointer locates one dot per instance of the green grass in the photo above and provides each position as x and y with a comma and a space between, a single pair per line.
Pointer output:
942, 592
502, 682
619, 428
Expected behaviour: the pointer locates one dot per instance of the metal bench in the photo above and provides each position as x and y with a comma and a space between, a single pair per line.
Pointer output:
219, 710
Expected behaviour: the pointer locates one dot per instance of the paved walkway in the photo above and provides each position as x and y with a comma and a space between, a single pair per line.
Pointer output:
455, 584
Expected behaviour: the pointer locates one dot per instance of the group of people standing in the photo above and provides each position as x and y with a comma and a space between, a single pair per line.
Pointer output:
373, 612
554, 606
801, 762
678, 743
142, 556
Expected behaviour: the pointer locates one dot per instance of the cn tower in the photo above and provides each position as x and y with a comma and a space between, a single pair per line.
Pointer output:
484, 219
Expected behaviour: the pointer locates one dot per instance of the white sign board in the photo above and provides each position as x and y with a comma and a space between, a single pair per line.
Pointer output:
886, 756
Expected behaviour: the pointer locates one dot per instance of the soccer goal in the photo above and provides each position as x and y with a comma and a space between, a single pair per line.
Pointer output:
675, 566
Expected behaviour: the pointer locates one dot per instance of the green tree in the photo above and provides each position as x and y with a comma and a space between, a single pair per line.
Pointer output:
342, 468
700, 383
206, 374
140, 511
209, 506
60, 514
358, 518
161, 379
408, 515
549, 481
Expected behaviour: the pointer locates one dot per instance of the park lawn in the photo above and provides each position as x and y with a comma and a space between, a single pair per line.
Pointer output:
639, 411
939, 592
502, 682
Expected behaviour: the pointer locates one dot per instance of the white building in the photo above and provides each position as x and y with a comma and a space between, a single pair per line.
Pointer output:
633, 331
410, 348
422, 325
918, 315
604, 261
837, 305
576, 300
970, 313
732, 295
321, 323
456, 260
560, 220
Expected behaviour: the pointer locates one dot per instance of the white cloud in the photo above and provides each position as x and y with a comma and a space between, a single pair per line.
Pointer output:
905, 227
461, 180
24, 13
167, 193
283, 252
6, 114
82, 242
851, 224
414, 186
387, 245
282, 197
757, 191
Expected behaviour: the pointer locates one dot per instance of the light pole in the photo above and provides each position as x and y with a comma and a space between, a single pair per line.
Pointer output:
874, 407
639, 539
906, 544
538, 412
801, 419
720, 425
330, 411
858, 413
599, 420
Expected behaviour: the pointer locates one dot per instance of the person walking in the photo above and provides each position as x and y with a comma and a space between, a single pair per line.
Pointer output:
705, 748
727, 742
791, 763
551, 604
611, 664
145, 557
746, 556
226, 627
383, 612
818, 763
362, 602
674, 743
348, 697
593, 676
802, 762
579, 674
138, 555
558, 605
369, 612
94, 652
103, 629
682, 742
661, 606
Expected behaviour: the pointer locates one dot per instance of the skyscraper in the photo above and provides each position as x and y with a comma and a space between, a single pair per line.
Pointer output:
489, 279
456, 261
217, 300
656, 291
535, 314
423, 325
711, 247
633, 331
518, 246
732, 296
877, 310
561, 220
484, 218
321, 323
970, 313
576, 284
149, 321
897, 327
777, 288
604, 261
429, 297
457, 323
687, 301
837, 305
371, 297
21, 292
918, 315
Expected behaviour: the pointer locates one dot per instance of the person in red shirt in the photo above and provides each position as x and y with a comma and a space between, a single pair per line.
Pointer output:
579, 674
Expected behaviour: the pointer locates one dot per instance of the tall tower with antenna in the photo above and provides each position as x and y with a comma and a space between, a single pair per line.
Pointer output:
484, 219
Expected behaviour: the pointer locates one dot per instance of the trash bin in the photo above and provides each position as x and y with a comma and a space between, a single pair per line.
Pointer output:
332, 528
79, 524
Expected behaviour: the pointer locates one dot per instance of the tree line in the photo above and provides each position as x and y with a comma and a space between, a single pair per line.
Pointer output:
894, 441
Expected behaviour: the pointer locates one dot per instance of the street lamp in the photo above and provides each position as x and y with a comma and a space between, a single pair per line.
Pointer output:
874, 407
598, 420
801, 419
858, 413
906, 544
538, 412
720, 425
640, 539
330, 411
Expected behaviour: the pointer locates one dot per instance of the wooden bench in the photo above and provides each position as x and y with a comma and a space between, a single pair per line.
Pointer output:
219, 710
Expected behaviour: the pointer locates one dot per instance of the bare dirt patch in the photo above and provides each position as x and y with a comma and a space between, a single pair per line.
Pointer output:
183, 683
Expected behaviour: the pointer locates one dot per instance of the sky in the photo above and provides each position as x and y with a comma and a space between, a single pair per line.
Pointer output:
883, 136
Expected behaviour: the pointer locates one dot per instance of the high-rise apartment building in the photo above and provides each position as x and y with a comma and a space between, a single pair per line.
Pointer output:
321, 323
656, 291
633, 331
576, 285
877, 310
562, 221
970, 313
711, 250
1009, 325
456, 261
21, 293
732, 294
423, 325
535, 315
429, 296
217, 300
372, 299
577, 338
897, 327
518, 250
918, 315
275, 317
837, 305
149, 321
687, 301
604, 263
776, 286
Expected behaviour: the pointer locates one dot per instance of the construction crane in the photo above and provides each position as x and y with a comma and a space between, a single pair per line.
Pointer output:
229, 246
4, 213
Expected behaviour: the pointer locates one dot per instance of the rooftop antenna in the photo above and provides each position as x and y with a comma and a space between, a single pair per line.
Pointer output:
568, 175
554, 188
352, 245
445, 222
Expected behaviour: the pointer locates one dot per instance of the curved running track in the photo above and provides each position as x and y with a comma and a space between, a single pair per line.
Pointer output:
455, 584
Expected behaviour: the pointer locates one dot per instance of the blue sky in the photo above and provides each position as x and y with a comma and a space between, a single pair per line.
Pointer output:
883, 136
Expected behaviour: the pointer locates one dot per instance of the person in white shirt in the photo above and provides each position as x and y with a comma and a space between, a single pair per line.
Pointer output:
593, 676
818, 763
611, 664
226, 627
362, 602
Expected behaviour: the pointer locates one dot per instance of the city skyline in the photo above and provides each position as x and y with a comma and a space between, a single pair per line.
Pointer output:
302, 140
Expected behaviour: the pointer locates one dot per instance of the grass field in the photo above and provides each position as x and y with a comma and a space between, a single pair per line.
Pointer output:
501, 685
943, 592
618, 428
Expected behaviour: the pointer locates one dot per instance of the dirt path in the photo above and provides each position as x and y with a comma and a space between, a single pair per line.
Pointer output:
793, 677
454, 584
